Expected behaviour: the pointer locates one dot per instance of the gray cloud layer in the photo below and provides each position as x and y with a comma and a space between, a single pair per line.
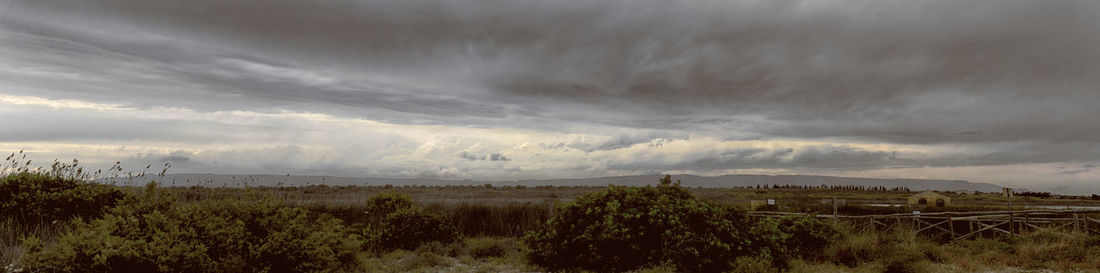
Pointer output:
1014, 79
898, 71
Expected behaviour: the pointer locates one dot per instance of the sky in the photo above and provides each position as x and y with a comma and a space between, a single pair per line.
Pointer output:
994, 91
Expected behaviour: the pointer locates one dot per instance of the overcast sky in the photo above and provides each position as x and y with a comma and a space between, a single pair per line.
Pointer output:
998, 91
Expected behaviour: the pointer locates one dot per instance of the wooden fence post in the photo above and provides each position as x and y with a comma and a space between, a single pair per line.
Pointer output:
1027, 220
1085, 224
1088, 230
1076, 224
834, 211
1011, 224
951, 225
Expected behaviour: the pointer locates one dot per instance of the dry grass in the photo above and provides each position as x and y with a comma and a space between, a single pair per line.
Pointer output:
797, 200
903, 251
1060, 251
483, 254
12, 233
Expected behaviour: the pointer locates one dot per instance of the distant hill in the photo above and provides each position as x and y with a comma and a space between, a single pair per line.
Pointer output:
725, 181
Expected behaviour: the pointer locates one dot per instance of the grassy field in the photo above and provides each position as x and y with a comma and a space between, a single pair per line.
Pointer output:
493, 220
506, 195
347, 201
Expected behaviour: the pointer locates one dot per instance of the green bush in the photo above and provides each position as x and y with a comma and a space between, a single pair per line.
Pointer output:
409, 228
382, 204
396, 222
41, 196
150, 233
629, 228
780, 239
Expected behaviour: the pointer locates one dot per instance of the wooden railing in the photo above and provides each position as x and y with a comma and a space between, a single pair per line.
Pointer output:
970, 224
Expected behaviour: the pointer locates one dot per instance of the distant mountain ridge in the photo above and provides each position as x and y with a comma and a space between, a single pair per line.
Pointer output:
724, 181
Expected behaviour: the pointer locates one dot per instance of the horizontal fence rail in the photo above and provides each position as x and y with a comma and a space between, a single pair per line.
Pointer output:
969, 224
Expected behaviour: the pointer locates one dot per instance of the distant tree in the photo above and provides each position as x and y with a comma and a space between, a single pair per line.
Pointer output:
667, 181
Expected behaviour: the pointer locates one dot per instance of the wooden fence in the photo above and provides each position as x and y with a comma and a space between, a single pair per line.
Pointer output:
970, 224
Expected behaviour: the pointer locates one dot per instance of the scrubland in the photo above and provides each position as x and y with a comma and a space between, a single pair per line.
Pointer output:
57, 220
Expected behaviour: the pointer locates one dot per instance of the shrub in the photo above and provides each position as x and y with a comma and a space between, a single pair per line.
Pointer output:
808, 236
409, 228
386, 202
780, 239
37, 197
855, 249
149, 233
629, 228
396, 222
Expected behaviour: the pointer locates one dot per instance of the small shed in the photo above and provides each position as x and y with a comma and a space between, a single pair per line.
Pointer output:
930, 198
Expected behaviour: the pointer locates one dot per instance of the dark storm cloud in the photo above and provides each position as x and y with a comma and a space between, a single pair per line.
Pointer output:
157, 71
175, 158
28, 124
488, 157
821, 157
1072, 172
1016, 153
1016, 79
497, 157
621, 141
853, 158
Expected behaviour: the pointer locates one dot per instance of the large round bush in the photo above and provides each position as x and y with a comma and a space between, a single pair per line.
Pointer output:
628, 228
409, 228
384, 203
797, 236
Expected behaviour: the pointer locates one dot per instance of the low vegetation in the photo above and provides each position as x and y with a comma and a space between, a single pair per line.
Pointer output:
629, 228
781, 239
64, 223
148, 232
40, 196
404, 225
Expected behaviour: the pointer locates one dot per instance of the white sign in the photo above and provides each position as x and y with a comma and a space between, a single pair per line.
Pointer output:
771, 201
916, 212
